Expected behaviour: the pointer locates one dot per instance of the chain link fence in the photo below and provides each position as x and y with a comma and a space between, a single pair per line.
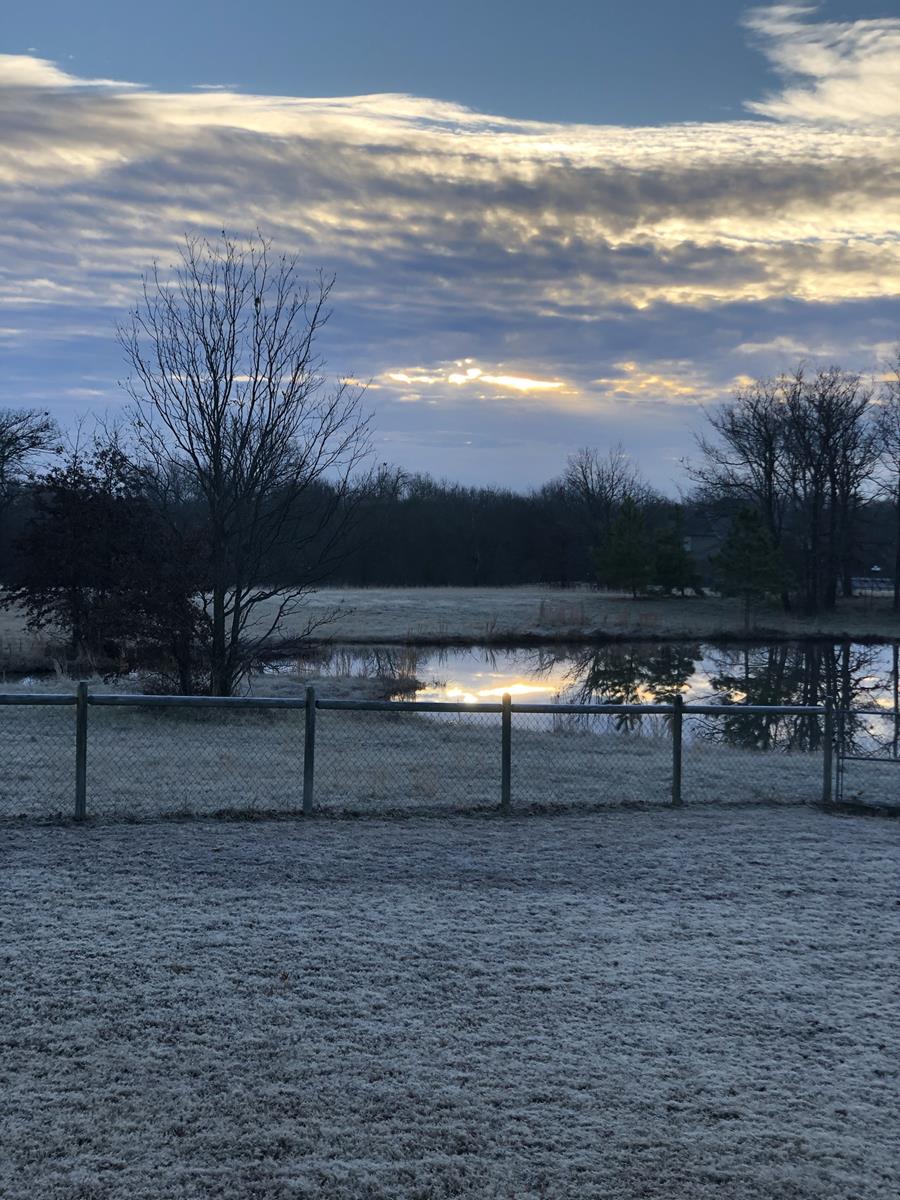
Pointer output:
772, 758
402, 760
135, 757
37, 757
868, 757
575, 758
181, 761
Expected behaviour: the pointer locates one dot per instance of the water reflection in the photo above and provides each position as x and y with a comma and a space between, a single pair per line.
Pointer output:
852, 675
620, 674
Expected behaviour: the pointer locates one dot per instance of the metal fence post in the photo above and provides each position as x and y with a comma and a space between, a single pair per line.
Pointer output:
81, 735
828, 748
677, 724
309, 752
506, 753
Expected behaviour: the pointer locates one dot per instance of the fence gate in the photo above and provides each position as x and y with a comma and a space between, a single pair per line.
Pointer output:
868, 738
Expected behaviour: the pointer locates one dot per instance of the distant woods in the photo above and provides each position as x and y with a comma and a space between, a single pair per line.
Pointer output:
796, 493
183, 539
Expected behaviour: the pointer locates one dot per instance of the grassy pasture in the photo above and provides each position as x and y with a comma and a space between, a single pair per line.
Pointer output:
497, 614
634, 1005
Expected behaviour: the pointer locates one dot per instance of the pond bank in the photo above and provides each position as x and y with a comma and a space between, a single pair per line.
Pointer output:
515, 617
537, 616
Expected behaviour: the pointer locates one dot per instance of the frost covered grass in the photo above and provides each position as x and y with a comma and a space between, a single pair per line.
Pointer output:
503, 615
154, 762
506, 614
697, 1004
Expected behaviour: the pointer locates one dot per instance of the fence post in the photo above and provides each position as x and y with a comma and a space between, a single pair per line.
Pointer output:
828, 748
677, 723
309, 752
81, 735
506, 753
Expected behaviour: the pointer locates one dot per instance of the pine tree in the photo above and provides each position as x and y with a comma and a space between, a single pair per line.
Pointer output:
749, 563
625, 560
674, 569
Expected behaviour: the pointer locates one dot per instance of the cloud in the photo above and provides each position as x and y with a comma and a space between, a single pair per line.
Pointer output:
26, 70
850, 69
581, 271
465, 374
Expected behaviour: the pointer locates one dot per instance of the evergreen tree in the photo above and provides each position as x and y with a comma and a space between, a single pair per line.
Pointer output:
97, 561
674, 569
749, 563
625, 560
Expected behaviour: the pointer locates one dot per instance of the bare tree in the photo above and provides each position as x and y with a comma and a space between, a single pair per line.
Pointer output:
744, 458
799, 450
232, 408
603, 482
888, 434
25, 433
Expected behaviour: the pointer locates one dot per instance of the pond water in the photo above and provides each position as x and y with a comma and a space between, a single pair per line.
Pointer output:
854, 675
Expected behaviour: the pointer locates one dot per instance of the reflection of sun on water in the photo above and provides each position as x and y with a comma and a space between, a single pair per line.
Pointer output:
463, 695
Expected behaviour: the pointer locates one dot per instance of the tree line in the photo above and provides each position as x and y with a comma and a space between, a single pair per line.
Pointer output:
239, 480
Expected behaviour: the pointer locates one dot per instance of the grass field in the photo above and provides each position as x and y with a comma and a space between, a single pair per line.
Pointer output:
668, 1005
435, 615
497, 614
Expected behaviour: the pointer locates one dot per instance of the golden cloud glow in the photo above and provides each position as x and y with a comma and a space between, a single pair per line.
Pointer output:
637, 382
468, 376
684, 215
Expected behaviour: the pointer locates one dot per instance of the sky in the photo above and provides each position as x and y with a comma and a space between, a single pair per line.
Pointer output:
551, 226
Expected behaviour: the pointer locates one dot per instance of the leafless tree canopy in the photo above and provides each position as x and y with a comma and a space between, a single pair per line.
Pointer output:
25, 433
231, 406
888, 435
801, 450
602, 483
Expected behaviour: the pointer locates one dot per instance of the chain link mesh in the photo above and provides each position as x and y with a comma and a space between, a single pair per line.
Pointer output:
870, 757
145, 761
586, 759
171, 761
381, 762
37, 761
741, 758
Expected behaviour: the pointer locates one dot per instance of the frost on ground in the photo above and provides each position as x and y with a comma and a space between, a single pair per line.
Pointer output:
697, 1004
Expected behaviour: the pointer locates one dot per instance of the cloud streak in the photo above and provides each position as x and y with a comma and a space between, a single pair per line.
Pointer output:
850, 69
546, 255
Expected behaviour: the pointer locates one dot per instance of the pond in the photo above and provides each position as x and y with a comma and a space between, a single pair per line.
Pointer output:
854, 675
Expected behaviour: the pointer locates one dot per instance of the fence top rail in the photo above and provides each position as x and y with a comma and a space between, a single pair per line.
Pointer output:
689, 710
125, 699
118, 700
636, 710
722, 710
449, 706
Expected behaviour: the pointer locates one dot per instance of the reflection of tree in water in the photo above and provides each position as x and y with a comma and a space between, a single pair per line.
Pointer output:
805, 674
397, 663
851, 675
622, 674
788, 674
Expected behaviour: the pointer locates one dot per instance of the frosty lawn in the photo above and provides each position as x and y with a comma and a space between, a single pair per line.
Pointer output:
660, 1004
